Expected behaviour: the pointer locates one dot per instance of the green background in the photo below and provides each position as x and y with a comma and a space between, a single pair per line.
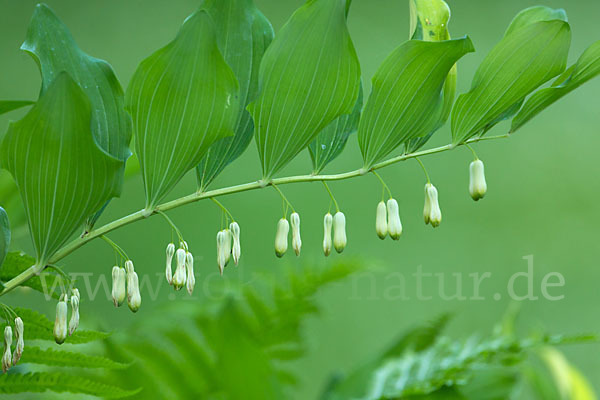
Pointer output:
541, 201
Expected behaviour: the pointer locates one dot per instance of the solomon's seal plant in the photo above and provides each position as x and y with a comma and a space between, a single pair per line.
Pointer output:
226, 78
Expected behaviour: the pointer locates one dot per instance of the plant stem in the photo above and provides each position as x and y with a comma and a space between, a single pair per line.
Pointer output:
424, 170
337, 208
191, 198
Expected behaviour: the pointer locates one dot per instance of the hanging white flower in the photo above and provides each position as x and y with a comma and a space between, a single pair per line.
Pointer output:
381, 224
281, 237
339, 231
296, 240
394, 223
477, 184
327, 242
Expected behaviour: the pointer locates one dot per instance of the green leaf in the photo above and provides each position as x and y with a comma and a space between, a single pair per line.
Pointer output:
182, 98
331, 141
53, 48
39, 327
530, 54
11, 105
535, 14
310, 75
59, 382
406, 100
35, 355
62, 174
585, 69
4, 235
47, 283
243, 35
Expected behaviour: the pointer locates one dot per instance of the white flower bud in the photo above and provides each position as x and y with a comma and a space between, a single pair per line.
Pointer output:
19, 329
227, 243
339, 231
60, 323
394, 223
168, 268
296, 240
134, 299
118, 286
432, 212
281, 237
74, 321
381, 223
190, 280
477, 184
327, 223
180, 272
7, 356
236, 251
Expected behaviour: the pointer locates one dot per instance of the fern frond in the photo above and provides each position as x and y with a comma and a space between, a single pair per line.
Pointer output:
35, 355
38, 382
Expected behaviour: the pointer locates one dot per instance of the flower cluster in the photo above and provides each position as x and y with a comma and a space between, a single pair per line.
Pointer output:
125, 285
228, 246
184, 270
61, 327
9, 359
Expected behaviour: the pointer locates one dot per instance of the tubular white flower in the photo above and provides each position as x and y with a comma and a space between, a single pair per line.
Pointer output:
381, 224
179, 276
7, 356
190, 280
60, 323
236, 251
296, 240
327, 224
281, 237
339, 231
134, 299
477, 184
227, 243
74, 321
168, 269
118, 286
434, 216
394, 223
19, 330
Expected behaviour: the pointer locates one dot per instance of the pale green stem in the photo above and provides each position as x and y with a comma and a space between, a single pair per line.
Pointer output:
142, 214
385, 186
424, 170
225, 210
337, 208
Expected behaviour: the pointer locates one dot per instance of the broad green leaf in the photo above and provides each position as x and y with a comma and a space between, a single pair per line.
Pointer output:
586, 68
4, 235
182, 99
39, 327
406, 100
331, 141
62, 358
309, 76
59, 382
243, 35
432, 19
48, 282
62, 174
11, 105
53, 48
529, 55
535, 14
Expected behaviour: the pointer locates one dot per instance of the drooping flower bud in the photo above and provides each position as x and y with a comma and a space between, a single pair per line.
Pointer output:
74, 321
134, 299
432, 213
60, 323
236, 251
339, 231
296, 240
381, 223
180, 272
477, 184
327, 224
19, 332
394, 223
168, 269
190, 280
281, 237
118, 286
7, 356
227, 245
